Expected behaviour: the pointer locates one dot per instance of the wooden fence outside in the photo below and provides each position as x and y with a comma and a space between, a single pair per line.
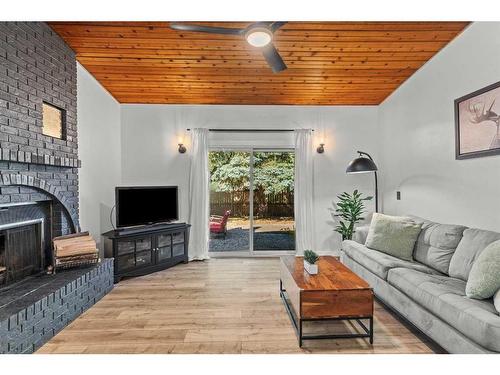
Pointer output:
265, 205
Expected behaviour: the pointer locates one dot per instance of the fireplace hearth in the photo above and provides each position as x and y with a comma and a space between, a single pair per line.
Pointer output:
34, 310
34, 305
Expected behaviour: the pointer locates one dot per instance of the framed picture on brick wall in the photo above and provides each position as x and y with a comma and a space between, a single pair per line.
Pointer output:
54, 124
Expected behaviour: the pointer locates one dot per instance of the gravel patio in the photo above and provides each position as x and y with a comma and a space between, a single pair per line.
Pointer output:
267, 236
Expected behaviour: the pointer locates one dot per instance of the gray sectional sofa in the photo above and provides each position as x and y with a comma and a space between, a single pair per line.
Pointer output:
430, 290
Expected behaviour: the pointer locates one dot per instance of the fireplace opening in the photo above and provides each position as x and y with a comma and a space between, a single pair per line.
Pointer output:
21, 250
26, 232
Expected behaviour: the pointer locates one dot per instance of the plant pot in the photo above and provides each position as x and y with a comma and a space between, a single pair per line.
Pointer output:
311, 269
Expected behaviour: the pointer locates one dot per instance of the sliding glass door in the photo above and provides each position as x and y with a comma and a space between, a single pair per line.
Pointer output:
229, 201
251, 201
273, 221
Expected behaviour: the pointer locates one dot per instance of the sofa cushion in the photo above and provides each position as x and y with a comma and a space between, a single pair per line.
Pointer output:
484, 276
378, 262
473, 242
445, 298
360, 234
393, 235
436, 243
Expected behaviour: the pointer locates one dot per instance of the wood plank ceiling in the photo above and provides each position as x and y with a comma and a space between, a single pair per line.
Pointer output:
329, 63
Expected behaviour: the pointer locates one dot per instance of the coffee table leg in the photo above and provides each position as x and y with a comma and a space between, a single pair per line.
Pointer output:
371, 330
297, 325
300, 333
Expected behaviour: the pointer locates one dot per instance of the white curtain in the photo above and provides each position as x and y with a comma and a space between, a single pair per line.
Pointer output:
304, 215
198, 196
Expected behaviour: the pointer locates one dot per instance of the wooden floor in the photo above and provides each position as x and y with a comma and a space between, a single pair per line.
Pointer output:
216, 306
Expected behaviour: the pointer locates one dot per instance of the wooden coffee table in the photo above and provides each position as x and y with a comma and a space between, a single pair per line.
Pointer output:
335, 293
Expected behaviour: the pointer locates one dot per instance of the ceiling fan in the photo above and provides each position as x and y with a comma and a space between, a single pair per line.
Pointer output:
259, 35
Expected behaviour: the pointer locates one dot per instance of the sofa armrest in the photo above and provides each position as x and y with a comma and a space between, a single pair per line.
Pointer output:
360, 234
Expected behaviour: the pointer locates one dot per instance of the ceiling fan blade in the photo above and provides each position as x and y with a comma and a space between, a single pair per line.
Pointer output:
206, 29
276, 25
273, 58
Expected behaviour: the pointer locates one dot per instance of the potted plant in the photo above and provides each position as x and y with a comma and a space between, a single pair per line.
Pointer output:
310, 259
349, 209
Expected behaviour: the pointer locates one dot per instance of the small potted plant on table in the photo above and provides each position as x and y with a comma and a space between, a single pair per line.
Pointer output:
310, 259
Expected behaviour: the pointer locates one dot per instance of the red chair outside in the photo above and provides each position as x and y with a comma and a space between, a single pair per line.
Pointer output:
218, 224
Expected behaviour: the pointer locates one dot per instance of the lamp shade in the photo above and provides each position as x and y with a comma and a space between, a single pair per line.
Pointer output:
361, 165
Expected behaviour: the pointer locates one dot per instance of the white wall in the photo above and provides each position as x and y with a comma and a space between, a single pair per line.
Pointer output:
99, 149
417, 137
150, 136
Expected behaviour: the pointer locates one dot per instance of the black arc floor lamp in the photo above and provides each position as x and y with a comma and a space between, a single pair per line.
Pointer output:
364, 164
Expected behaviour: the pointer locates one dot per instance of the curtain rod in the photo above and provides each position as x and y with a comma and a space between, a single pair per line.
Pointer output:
250, 130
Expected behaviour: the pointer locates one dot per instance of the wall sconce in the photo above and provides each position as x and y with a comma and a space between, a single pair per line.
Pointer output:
182, 148
321, 148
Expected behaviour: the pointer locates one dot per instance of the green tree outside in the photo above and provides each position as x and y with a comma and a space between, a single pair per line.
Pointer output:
273, 173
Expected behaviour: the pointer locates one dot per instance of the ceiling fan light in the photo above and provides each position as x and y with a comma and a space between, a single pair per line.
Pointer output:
259, 37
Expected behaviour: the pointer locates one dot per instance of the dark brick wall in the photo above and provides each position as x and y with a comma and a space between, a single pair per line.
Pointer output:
35, 66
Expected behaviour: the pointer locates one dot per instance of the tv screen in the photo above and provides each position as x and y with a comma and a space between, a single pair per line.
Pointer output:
146, 205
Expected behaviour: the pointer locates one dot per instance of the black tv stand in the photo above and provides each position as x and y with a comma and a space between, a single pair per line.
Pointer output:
144, 228
149, 248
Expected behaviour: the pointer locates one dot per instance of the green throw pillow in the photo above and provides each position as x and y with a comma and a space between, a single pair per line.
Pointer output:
496, 300
484, 276
393, 235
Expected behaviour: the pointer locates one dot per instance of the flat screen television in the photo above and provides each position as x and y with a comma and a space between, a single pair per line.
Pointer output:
143, 205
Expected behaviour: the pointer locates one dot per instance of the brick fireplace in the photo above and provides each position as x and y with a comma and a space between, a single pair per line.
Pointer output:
39, 189
38, 173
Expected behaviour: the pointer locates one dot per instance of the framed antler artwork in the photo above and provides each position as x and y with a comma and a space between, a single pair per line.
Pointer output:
477, 123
